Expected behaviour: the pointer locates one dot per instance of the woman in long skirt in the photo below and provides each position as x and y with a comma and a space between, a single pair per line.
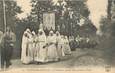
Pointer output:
59, 45
36, 54
24, 52
41, 53
42, 48
67, 49
52, 54
30, 47
33, 50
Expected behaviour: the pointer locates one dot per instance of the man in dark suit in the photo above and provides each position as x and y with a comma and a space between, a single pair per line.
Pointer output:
7, 42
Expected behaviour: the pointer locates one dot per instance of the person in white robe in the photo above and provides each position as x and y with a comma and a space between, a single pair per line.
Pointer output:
62, 44
31, 47
41, 56
59, 45
67, 49
24, 52
52, 54
33, 51
36, 48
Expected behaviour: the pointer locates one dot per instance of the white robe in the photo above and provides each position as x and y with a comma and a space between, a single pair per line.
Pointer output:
34, 48
31, 47
59, 47
41, 56
67, 49
37, 47
24, 55
52, 54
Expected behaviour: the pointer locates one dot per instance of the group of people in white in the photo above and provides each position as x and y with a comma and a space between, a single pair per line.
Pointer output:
41, 48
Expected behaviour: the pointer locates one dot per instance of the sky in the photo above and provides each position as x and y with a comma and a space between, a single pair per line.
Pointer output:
26, 7
97, 9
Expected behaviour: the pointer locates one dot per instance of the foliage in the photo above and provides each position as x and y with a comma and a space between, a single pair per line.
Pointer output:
11, 11
107, 40
68, 25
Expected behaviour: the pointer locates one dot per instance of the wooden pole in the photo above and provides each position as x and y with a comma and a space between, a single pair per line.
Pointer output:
4, 10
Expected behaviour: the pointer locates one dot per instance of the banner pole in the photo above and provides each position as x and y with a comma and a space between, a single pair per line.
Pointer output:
4, 10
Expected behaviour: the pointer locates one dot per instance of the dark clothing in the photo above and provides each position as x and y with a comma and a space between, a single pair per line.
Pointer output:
6, 54
7, 50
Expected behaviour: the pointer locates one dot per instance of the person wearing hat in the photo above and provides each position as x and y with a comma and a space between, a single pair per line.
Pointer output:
8, 41
52, 54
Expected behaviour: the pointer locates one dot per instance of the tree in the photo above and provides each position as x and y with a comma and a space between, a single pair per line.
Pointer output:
11, 11
108, 39
67, 12
109, 9
87, 29
11, 19
39, 7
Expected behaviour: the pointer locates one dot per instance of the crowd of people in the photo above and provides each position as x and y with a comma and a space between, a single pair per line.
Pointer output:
39, 48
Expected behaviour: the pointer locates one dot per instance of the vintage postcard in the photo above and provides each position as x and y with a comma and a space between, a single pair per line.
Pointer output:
57, 36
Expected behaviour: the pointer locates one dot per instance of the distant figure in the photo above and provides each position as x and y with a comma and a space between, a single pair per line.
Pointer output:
67, 49
8, 41
41, 26
46, 31
52, 54
62, 42
78, 39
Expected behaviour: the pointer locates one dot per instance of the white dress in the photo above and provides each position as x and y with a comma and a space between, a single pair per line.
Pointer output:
52, 54
59, 47
41, 56
31, 48
34, 48
67, 49
24, 52
37, 47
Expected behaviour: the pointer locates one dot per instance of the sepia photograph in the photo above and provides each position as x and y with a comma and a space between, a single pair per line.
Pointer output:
57, 35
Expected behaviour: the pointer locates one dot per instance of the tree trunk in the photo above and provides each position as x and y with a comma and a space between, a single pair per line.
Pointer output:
109, 9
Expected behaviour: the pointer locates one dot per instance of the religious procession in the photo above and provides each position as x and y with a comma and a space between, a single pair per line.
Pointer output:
56, 33
39, 48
